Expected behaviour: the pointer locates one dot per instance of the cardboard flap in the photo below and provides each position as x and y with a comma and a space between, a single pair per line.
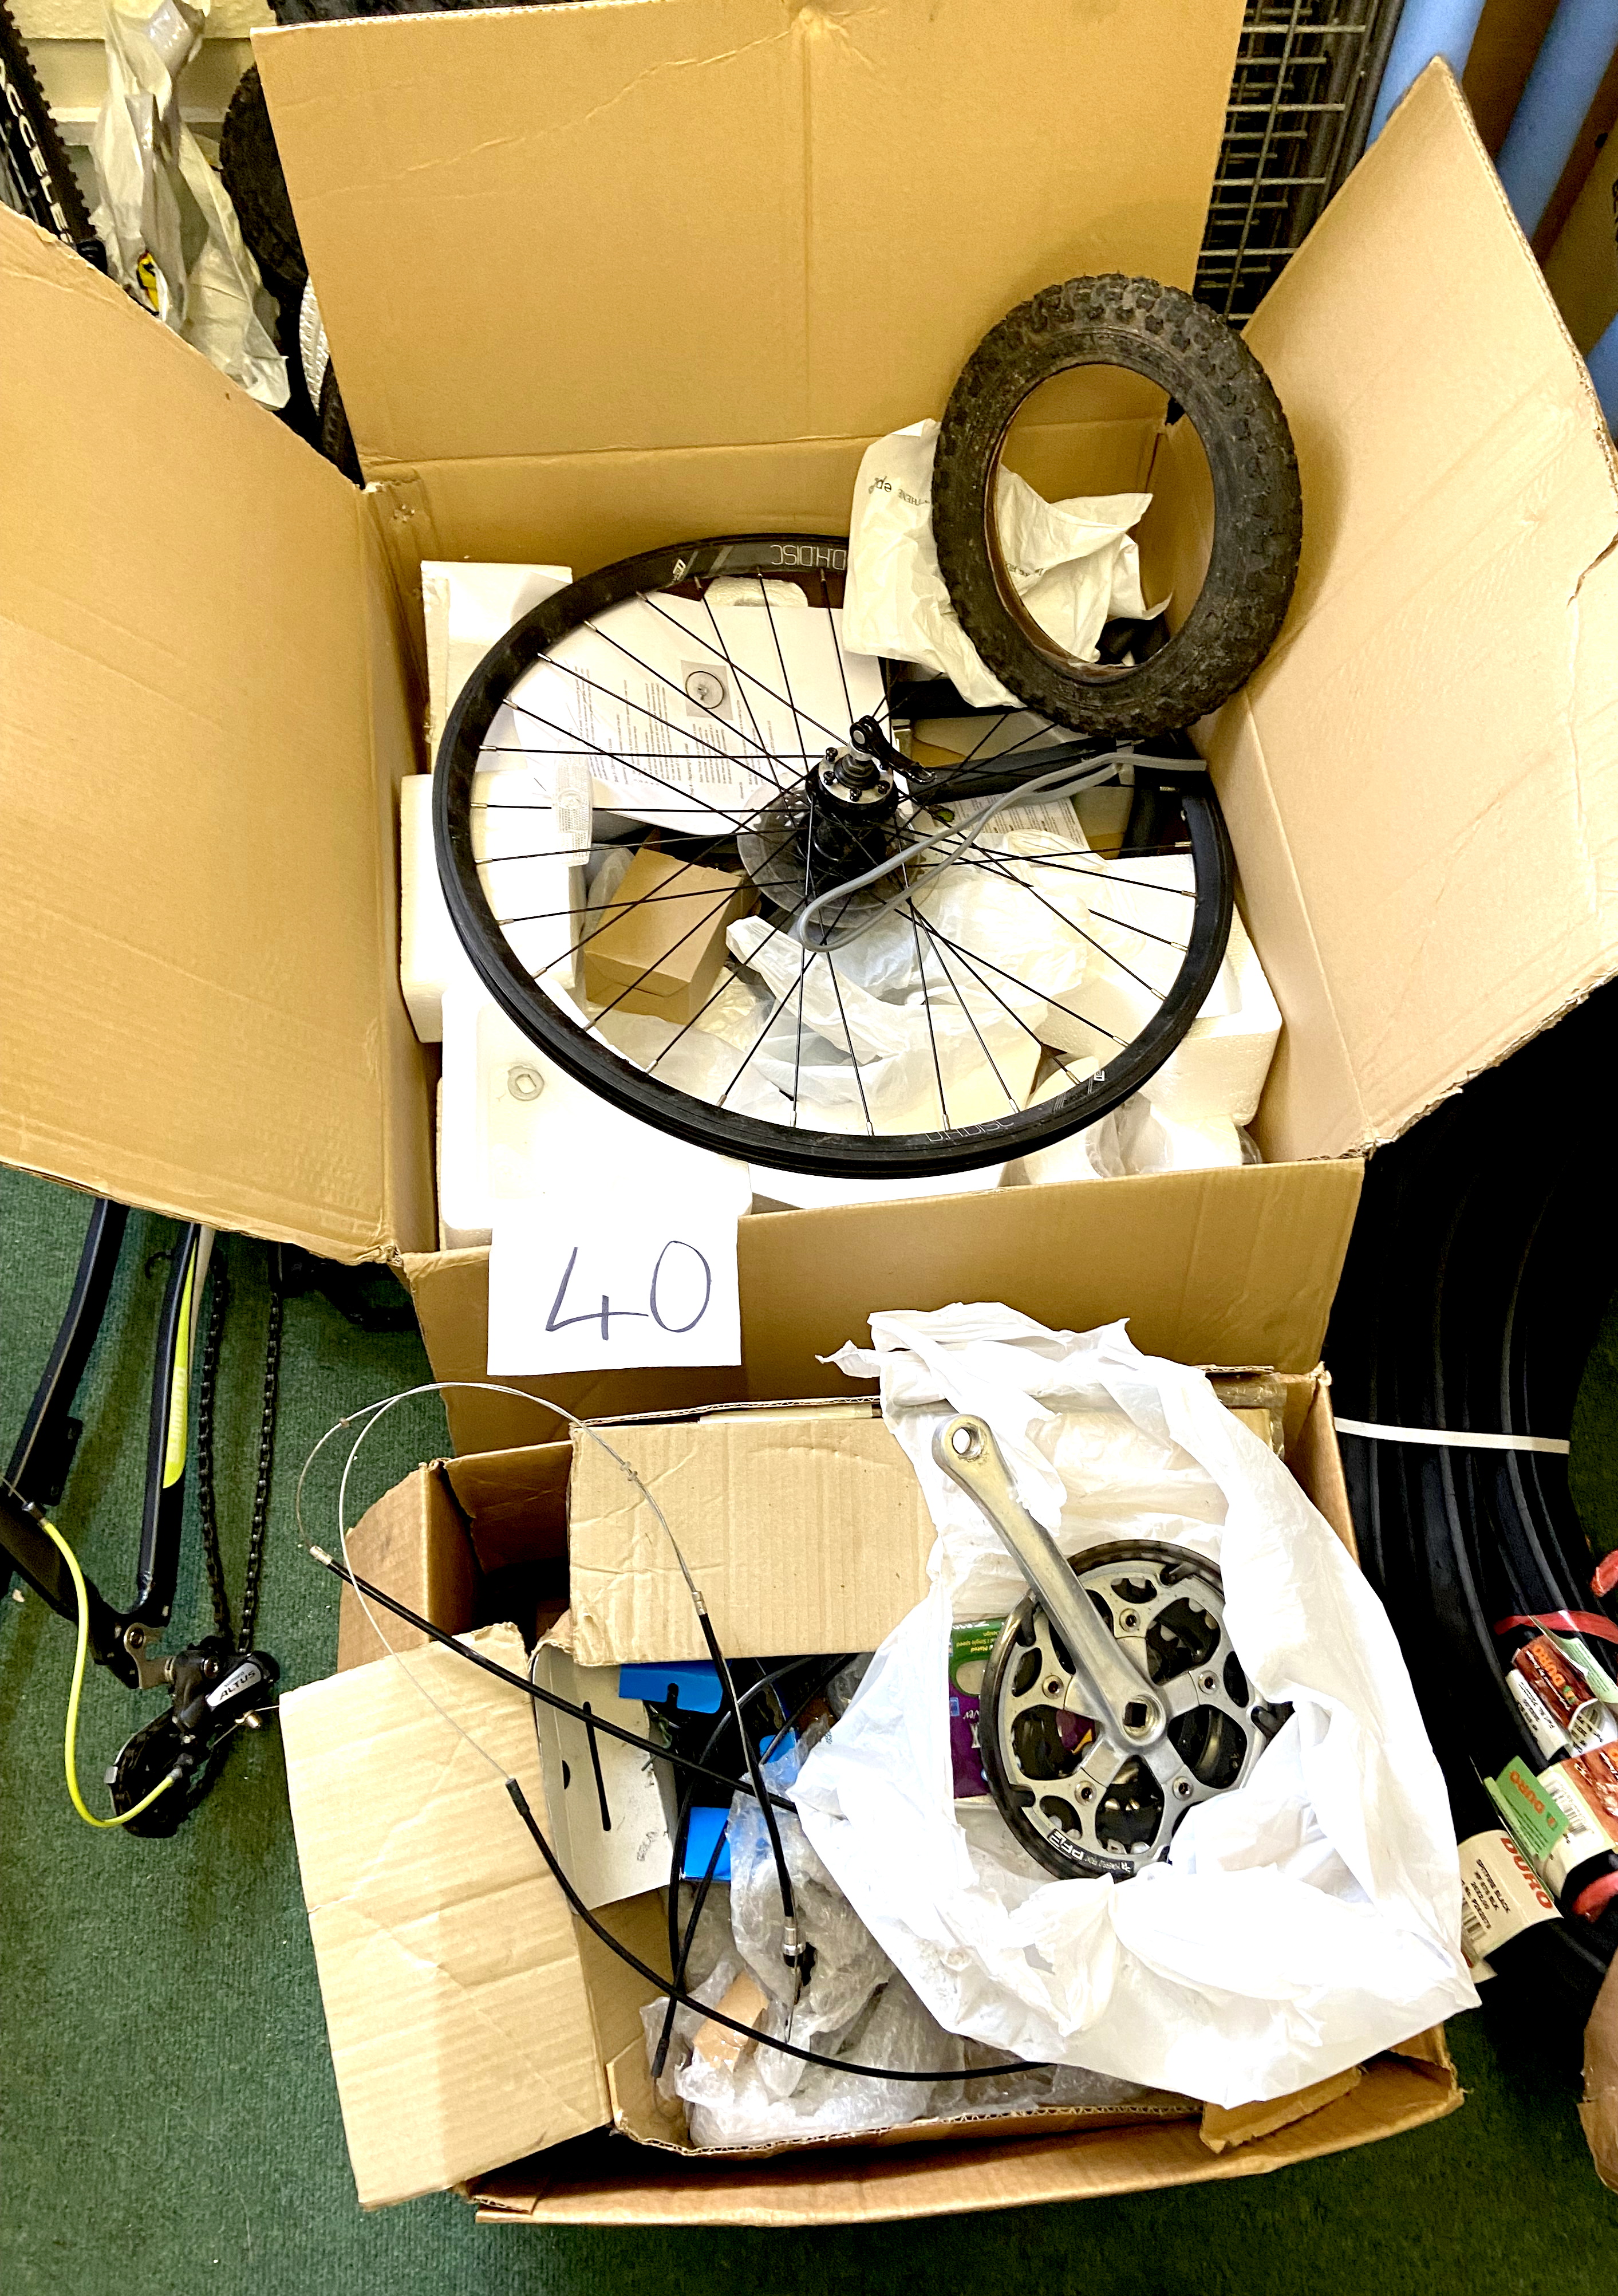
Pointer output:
1422, 780
197, 1000
508, 217
455, 2002
804, 1534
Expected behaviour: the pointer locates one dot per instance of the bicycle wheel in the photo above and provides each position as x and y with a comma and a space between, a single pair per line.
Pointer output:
37, 177
786, 921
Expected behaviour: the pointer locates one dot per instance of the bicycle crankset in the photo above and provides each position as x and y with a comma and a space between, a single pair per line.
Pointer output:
1114, 1700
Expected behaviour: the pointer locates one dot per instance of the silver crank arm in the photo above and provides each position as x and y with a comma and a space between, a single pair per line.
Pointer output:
1110, 1687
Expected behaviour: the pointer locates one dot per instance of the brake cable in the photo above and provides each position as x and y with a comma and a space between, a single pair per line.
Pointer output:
371, 1415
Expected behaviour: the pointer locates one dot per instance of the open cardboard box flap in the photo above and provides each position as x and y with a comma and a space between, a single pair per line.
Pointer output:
564, 329
799, 219
1223, 1267
1422, 780
205, 712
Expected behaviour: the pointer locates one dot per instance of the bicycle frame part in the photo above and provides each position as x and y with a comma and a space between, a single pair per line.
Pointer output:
157, 1565
42, 1454
26, 1549
1104, 1682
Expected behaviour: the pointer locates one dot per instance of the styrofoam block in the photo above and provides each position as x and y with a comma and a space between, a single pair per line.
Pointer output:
1150, 1141
467, 607
1089, 1155
1216, 1073
1140, 915
808, 1191
538, 887
1139, 911
430, 955
512, 1119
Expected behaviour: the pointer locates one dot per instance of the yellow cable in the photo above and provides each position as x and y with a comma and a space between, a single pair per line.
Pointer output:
70, 1737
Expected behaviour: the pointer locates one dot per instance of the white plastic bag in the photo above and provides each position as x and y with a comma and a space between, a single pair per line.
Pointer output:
1302, 1921
1073, 564
165, 218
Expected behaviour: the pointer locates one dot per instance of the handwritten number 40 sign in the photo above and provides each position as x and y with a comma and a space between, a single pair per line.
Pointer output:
606, 1288
656, 1301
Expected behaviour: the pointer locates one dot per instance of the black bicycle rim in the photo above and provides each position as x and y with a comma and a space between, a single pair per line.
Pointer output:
630, 1087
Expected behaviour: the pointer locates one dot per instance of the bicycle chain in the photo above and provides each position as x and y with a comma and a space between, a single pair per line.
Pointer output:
207, 1499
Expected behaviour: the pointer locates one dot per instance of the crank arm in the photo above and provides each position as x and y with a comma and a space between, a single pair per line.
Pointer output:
1106, 1683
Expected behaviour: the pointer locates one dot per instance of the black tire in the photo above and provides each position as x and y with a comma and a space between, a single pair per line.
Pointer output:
251, 165
36, 173
619, 1081
336, 439
1159, 332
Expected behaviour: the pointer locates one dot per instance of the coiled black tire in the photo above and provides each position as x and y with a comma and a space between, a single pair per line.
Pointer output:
1482, 1264
1207, 370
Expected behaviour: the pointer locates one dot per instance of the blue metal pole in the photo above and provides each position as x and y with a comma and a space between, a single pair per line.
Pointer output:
1569, 67
1602, 364
1427, 28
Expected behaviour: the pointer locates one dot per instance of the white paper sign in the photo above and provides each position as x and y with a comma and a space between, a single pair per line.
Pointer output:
603, 1797
620, 1275
692, 713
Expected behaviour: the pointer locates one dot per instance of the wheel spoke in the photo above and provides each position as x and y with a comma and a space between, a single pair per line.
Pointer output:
1011, 1098
1101, 948
848, 1042
802, 717
967, 958
932, 1033
725, 655
595, 748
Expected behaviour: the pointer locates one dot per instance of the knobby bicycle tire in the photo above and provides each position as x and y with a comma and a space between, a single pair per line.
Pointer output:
35, 158
1206, 369
250, 165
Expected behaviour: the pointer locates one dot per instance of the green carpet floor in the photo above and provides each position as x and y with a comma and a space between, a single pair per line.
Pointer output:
170, 2121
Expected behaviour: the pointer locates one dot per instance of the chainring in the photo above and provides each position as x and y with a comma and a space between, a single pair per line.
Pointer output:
1078, 1798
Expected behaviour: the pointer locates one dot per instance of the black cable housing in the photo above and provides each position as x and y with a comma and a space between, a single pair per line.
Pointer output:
683, 2000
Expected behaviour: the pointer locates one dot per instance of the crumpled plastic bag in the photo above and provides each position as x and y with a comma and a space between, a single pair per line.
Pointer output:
959, 1001
1303, 1921
854, 2005
165, 218
849, 1966
1073, 564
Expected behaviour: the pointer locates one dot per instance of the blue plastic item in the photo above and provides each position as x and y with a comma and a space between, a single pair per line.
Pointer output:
1569, 67
692, 1684
1603, 363
706, 1828
1427, 28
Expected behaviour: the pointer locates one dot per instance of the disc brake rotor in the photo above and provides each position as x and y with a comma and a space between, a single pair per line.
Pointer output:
1078, 1797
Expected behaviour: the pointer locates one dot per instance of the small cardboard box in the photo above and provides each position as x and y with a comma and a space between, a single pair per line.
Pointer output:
804, 1525
660, 952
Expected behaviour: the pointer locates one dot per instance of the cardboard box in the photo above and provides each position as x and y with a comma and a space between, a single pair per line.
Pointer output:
215, 670
667, 958
416, 1916
215, 677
